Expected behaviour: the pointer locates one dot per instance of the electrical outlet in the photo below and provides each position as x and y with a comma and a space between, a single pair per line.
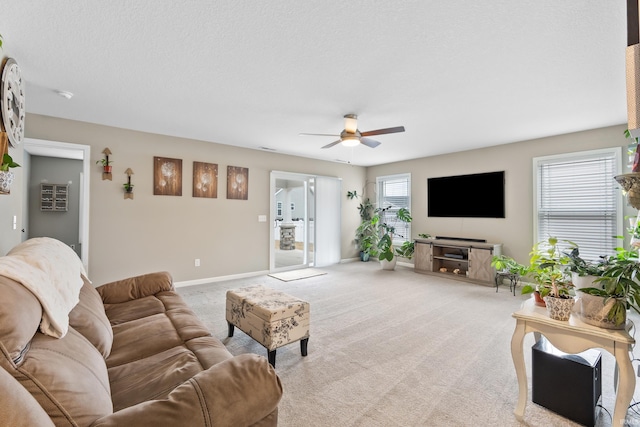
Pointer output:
197, 262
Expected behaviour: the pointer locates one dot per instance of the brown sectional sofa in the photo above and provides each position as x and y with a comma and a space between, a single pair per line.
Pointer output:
134, 355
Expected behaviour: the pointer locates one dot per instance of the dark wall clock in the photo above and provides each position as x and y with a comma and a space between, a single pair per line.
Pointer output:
12, 102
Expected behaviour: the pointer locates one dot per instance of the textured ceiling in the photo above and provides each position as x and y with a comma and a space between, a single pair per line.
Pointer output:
457, 74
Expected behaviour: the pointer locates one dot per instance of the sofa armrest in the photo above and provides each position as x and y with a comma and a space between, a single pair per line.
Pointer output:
236, 392
135, 287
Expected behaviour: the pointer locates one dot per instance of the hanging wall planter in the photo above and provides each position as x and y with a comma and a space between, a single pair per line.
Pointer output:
6, 178
106, 165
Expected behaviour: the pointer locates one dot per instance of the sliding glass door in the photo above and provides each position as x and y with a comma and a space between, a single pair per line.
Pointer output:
295, 216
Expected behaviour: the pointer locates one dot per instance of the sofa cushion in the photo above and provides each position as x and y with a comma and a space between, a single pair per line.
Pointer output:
135, 287
151, 378
142, 338
241, 391
19, 408
132, 310
17, 326
67, 376
88, 318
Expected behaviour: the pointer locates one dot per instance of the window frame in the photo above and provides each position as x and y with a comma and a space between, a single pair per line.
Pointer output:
615, 152
380, 180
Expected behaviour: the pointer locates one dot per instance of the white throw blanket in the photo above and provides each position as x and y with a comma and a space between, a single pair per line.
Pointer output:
52, 271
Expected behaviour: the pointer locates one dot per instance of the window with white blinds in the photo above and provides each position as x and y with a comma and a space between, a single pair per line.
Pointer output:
577, 199
394, 191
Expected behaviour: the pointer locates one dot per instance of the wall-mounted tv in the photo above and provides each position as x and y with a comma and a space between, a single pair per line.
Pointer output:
479, 195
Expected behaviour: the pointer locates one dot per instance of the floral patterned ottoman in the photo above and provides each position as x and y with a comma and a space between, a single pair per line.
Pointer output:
270, 317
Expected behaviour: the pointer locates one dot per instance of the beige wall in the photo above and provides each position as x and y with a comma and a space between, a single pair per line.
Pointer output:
150, 233
515, 231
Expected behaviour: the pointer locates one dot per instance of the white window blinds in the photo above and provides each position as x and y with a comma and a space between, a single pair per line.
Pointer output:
578, 200
394, 191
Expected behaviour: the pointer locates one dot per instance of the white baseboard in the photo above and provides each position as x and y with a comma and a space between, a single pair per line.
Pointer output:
218, 279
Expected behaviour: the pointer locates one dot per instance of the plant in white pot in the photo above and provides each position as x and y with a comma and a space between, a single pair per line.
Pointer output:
385, 243
606, 303
548, 267
584, 273
6, 176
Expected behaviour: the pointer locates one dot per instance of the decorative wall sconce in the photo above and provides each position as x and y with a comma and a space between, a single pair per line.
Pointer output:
128, 187
106, 164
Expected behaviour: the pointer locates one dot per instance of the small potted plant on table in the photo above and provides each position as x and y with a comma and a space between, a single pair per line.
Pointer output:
605, 303
548, 267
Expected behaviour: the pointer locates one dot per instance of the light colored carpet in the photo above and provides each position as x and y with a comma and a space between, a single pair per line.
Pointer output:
304, 273
396, 348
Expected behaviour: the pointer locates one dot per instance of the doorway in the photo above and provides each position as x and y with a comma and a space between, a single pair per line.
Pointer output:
305, 219
43, 149
292, 238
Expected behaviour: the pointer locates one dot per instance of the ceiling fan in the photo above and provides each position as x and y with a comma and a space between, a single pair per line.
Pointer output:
351, 136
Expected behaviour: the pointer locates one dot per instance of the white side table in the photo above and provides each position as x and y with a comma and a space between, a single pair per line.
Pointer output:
573, 336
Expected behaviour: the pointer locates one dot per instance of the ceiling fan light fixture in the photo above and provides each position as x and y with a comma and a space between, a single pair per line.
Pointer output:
350, 141
350, 123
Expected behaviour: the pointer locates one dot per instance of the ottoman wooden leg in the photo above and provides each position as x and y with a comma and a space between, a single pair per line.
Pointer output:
230, 334
303, 346
272, 358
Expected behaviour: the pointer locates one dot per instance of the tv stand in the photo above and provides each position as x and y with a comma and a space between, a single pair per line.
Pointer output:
468, 260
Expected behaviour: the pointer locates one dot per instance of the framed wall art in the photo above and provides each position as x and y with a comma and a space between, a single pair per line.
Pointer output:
205, 180
167, 176
237, 183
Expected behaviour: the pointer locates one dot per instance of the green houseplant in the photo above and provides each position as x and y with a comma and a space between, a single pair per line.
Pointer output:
617, 289
367, 239
408, 248
366, 236
547, 265
509, 265
106, 164
6, 176
506, 264
386, 232
583, 272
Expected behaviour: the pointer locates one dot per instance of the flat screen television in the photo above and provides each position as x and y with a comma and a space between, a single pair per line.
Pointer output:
479, 195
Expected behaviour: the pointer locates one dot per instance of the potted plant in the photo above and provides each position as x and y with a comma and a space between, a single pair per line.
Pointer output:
128, 187
583, 273
510, 268
605, 304
106, 165
385, 244
548, 267
6, 176
366, 233
367, 239
408, 248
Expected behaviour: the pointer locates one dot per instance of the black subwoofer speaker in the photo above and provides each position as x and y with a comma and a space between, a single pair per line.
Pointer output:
568, 384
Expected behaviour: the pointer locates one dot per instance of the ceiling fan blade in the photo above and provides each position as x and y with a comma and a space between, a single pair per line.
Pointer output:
332, 144
318, 134
369, 142
383, 131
